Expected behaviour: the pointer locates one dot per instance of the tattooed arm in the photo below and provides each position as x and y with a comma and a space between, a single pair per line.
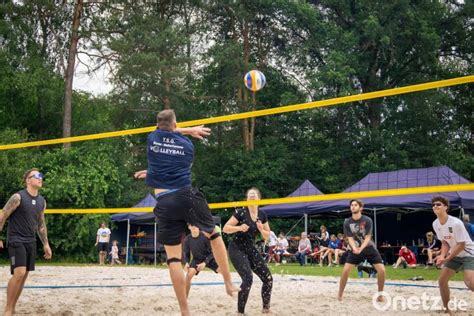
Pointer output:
43, 234
8, 209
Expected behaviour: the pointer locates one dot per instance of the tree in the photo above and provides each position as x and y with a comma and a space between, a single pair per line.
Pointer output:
69, 75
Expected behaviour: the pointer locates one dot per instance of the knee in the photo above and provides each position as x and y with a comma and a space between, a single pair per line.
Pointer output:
470, 284
443, 281
247, 282
20, 273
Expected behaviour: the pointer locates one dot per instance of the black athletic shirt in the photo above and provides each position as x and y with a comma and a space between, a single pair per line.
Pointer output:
245, 239
199, 248
358, 229
23, 222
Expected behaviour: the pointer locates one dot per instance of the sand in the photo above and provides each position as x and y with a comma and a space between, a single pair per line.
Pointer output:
118, 290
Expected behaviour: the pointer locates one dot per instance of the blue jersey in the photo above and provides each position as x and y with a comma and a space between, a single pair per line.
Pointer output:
333, 244
170, 157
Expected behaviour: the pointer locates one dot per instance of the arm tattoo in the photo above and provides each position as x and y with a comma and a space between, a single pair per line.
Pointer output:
42, 231
9, 208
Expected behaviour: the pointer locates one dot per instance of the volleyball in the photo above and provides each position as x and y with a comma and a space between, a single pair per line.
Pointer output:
254, 80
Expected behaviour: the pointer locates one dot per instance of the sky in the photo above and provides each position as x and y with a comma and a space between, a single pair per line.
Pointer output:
96, 83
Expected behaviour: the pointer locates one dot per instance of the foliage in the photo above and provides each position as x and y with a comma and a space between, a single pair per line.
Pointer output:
191, 56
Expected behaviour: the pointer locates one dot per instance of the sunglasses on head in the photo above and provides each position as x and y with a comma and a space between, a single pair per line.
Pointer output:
38, 176
437, 204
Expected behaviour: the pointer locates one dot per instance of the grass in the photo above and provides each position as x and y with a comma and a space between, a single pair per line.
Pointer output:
390, 273
296, 269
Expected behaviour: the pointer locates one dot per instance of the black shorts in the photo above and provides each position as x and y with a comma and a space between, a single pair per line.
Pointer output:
103, 246
211, 265
22, 255
369, 253
176, 209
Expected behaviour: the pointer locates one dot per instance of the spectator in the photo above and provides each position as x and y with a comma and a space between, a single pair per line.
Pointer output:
304, 248
102, 242
115, 253
341, 247
469, 227
432, 248
324, 233
323, 246
366, 267
272, 243
405, 257
331, 249
281, 247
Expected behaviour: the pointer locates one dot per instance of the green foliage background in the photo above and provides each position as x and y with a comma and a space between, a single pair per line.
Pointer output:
192, 55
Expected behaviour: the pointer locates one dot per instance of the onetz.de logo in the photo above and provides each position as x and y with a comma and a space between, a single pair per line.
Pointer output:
424, 302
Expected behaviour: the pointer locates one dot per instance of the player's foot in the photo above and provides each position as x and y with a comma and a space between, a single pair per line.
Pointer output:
339, 298
381, 299
266, 311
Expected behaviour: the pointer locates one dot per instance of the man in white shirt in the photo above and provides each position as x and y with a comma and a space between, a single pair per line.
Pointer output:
102, 240
457, 249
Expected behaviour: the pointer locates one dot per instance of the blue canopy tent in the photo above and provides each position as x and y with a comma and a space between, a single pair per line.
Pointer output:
130, 218
295, 209
464, 200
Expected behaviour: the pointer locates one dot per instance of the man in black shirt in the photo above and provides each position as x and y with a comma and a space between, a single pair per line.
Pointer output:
25, 211
197, 255
358, 229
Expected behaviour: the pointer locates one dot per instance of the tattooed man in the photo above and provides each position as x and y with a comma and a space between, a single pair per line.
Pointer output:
25, 213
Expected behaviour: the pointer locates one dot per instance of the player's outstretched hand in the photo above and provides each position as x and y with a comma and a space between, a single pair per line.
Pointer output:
199, 132
140, 174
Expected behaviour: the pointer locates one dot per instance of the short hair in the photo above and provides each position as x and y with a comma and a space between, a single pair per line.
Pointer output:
165, 120
27, 173
322, 226
361, 204
254, 189
441, 199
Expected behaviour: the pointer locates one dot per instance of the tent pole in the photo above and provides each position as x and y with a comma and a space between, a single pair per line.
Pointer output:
306, 223
154, 240
291, 229
128, 239
375, 227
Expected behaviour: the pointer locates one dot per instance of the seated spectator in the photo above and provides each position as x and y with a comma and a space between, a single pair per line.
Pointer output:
469, 227
341, 247
304, 248
272, 242
347, 249
367, 268
323, 247
281, 247
432, 248
406, 257
324, 233
330, 250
